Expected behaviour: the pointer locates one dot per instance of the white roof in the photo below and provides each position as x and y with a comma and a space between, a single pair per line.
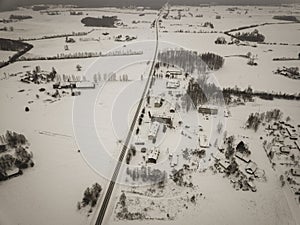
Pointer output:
85, 84
153, 153
154, 129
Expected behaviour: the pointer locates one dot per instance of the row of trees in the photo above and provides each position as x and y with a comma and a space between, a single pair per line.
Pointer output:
253, 36
248, 94
191, 61
255, 119
147, 174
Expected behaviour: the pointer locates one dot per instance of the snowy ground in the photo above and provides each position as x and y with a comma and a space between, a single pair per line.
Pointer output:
48, 193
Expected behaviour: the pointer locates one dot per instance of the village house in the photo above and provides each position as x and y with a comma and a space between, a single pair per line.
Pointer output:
203, 141
173, 73
172, 84
162, 118
251, 168
153, 130
224, 163
285, 149
295, 172
153, 155
209, 111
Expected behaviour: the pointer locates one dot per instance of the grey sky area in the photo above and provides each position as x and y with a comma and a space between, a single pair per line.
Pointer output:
11, 4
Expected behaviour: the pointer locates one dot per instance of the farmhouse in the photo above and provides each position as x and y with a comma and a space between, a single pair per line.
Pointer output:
153, 155
153, 130
210, 111
172, 84
161, 118
224, 163
203, 141
173, 73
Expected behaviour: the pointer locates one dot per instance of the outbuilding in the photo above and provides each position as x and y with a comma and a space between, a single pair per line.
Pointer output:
153, 155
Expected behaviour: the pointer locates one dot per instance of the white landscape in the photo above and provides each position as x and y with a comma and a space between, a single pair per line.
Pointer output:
135, 115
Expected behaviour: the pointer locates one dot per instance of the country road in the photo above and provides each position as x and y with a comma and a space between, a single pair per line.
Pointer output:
112, 182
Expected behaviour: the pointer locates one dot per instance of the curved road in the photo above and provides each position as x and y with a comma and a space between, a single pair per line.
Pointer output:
125, 146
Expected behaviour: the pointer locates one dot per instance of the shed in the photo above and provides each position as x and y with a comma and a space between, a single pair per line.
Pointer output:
85, 84
295, 172
251, 168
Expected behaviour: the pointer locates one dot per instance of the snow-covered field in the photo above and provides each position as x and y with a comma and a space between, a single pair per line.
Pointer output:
97, 121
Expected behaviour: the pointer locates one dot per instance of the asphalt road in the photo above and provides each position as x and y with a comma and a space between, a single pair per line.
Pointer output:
112, 183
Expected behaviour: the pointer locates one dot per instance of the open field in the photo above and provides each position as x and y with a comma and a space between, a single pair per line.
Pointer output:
174, 170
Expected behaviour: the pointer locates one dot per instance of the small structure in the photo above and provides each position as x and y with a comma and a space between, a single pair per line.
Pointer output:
85, 85
153, 155
203, 141
143, 150
224, 163
174, 160
206, 110
13, 173
251, 168
153, 130
242, 157
251, 186
172, 84
173, 73
285, 149
158, 102
172, 109
295, 172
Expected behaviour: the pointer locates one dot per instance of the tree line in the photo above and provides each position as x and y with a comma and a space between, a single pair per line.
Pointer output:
191, 61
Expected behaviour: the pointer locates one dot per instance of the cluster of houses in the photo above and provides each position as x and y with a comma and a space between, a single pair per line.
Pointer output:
291, 72
122, 38
285, 140
284, 150
38, 76
242, 169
